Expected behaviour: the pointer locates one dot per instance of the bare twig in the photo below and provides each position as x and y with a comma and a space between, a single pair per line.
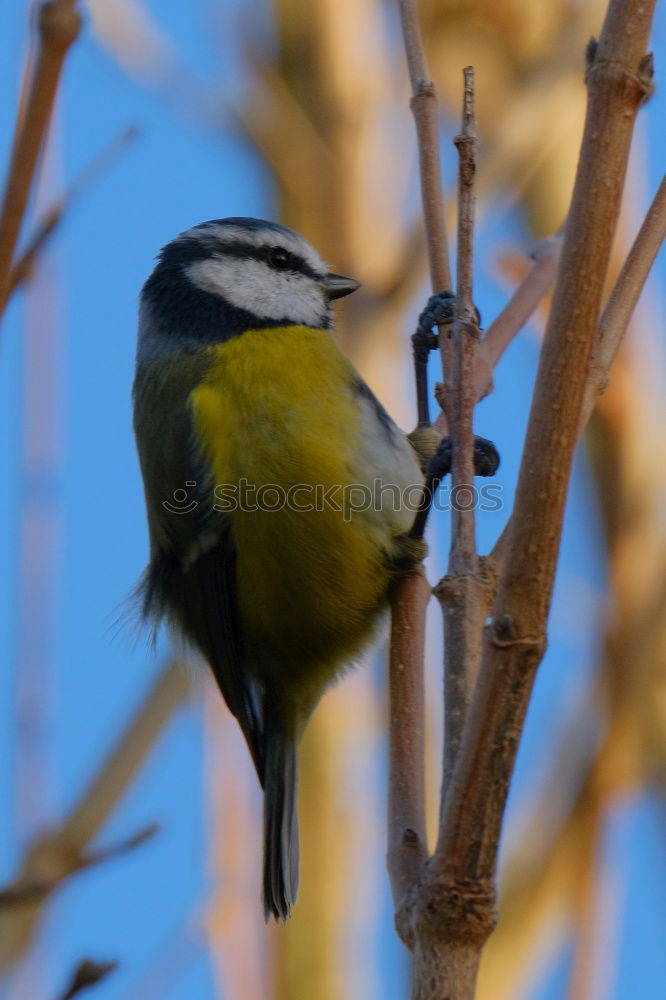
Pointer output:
406, 808
29, 892
516, 638
614, 321
24, 266
87, 973
56, 854
406, 792
100, 798
458, 592
461, 889
520, 307
465, 335
59, 25
424, 108
615, 317
447, 919
510, 321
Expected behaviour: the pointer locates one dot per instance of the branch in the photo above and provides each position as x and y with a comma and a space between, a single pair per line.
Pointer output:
54, 856
59, 24
24, 266
448, 919
461, 598
622, 301
614, 321
87, 973
23, 891
513, 317
520, 307
424, 109
465, 335
618, 79
407, 849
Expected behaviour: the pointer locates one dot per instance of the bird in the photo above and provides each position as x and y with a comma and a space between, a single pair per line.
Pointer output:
277, 490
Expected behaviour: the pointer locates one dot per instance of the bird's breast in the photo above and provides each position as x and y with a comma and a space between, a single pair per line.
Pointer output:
286, 436
275, 407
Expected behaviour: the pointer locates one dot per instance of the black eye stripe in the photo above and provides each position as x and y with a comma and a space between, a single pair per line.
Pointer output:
292, 262
281, 259
186, 251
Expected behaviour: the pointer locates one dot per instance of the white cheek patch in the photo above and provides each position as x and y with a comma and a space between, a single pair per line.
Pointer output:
252, 285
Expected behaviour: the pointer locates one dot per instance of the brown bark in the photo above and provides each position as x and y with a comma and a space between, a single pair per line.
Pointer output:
59, 853
449, 914
59, 24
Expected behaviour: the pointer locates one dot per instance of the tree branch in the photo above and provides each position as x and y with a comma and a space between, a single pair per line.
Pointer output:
466, 333
424, 109
622, 301
618, 79
407, 845
59, 24
23, 891
449, 916
407, 849
87, 973
460, 593
23, 267
59, 852
513, 317
614, 321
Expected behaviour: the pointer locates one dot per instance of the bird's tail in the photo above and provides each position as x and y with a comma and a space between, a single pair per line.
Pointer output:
280, 823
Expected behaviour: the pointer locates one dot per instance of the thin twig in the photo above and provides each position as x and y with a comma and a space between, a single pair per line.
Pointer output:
465, 334
462, 605
424, 109
513, 317
24, 891
24, 266
50, 859
59, 24
407, 850
613, 323
622, 301
518, 310
618, 81
169, 690
453, 911
516, 639
87, 973
406, 805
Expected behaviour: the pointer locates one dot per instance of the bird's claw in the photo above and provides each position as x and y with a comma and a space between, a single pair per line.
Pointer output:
486, 458
439, 311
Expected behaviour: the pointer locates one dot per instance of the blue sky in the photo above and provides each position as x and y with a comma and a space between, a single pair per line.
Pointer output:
88, 489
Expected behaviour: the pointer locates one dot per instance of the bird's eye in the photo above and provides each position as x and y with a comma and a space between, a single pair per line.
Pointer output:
280, 259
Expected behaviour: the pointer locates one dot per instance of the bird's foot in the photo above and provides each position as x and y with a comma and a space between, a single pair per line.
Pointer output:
439, 310
486, 459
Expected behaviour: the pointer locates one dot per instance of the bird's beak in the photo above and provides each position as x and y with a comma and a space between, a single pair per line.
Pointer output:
336, 285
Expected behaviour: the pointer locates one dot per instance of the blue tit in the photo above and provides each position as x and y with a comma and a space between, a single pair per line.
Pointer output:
279, 492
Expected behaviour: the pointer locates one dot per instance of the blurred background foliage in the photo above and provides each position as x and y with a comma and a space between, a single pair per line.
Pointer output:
299, 111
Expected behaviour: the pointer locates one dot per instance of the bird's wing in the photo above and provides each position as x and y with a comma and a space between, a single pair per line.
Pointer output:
388, 460
208, 613
191, 578
201, 602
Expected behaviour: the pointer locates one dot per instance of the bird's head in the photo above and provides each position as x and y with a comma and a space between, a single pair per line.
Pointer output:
223, 277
